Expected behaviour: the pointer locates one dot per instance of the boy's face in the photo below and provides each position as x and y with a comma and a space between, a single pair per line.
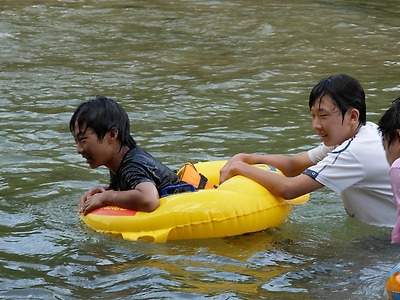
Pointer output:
393, 150
329, 124
95, 151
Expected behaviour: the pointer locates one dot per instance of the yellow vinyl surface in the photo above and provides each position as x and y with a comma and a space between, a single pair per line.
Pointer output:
237, 206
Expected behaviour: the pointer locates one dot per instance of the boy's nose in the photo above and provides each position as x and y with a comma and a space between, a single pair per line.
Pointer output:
79, 149
316, 124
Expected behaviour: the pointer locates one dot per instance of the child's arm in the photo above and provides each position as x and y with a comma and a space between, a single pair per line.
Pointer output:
289, 165
279, 185
143, 198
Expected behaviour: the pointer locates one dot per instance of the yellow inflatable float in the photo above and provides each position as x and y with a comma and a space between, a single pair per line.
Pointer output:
237, 206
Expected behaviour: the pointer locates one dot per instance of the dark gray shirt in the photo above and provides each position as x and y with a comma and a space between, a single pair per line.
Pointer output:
139, 166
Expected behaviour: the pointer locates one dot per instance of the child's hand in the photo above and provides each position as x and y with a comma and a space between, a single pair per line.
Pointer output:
227, 171
87, 199
93, 202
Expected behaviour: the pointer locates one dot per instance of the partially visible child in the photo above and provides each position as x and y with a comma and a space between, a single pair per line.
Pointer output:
101, 130
389, 125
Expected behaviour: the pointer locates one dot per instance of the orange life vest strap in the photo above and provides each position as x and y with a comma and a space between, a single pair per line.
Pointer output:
189, 174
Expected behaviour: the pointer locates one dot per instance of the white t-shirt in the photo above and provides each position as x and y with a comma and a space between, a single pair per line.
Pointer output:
358, 171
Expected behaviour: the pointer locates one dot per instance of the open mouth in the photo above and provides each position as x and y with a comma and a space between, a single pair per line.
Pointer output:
87, 159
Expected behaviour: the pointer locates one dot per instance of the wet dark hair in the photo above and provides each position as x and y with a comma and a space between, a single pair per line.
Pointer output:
345, 91
103, 114
390, 121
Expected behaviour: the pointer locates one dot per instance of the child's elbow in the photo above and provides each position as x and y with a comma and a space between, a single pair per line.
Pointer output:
151, 205
288, 192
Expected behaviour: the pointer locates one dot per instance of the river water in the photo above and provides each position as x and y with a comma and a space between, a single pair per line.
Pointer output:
201, 80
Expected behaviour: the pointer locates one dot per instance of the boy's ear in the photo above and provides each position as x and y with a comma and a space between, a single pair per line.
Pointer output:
397, 134
355, 115
113, 134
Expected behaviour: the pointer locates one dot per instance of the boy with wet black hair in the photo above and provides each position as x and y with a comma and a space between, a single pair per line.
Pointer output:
350, 160
101, 130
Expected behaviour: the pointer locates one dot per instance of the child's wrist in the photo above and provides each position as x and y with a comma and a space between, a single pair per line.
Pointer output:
111, 196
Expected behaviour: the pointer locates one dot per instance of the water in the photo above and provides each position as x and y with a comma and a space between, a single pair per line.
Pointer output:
201, 80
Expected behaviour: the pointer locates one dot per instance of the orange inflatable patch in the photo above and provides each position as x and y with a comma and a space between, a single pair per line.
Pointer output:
189, 174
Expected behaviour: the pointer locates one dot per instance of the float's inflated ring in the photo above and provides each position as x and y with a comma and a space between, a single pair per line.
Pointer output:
237, 206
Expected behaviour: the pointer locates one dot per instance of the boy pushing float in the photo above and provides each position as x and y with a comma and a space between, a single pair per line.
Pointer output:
350, 160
